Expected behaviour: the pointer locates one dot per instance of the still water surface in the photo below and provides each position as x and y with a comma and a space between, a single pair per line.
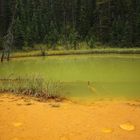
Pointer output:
84, 77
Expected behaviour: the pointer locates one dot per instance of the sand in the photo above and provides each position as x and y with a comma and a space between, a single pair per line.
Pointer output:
26, 119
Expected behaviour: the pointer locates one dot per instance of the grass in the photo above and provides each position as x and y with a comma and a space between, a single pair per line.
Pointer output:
81, 49
77, 52
32, 86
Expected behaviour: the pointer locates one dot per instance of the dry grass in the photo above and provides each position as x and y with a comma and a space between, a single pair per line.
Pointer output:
33, 86
99, 50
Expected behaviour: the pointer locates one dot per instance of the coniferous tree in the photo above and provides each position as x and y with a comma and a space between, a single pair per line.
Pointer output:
113, 22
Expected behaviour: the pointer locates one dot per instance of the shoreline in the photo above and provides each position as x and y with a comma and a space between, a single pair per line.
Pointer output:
30, 119
37, 53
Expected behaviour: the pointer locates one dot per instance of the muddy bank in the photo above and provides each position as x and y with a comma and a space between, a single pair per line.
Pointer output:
26, 119
37, 53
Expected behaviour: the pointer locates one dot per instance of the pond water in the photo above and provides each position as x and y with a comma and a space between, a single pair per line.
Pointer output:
84, 77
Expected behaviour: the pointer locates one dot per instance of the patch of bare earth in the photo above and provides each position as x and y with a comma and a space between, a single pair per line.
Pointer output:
27, 119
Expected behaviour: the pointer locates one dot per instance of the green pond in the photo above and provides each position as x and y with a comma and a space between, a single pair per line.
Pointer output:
84, 77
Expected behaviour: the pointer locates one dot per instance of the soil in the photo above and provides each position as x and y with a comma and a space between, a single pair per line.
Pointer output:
22, 118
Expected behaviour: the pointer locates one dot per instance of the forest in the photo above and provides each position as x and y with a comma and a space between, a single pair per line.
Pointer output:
69, 22
69, 69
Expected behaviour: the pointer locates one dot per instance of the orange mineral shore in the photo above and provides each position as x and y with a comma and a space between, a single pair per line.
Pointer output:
22, 118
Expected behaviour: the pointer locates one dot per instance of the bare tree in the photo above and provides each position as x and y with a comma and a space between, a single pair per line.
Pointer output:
8, 39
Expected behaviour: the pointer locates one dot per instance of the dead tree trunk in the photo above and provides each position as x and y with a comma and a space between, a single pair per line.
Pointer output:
2, 56
7, 44
9, 38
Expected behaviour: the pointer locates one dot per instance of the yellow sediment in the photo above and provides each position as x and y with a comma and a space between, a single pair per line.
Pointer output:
127, 126
106, 120
107, 130
17, 124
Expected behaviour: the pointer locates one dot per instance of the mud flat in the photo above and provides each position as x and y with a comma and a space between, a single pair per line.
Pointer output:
22, 118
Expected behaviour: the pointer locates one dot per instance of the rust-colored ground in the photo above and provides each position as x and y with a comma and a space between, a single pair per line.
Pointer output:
26, 119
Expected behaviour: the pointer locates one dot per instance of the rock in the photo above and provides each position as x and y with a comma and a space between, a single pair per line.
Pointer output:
107, 130
127, 126
29, 103
55, 105
17, 124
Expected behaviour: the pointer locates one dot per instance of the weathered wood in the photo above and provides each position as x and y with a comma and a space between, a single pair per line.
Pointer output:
8, 39
7, 44
2, 56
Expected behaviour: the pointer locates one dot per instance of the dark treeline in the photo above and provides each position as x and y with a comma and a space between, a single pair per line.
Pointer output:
113, 22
